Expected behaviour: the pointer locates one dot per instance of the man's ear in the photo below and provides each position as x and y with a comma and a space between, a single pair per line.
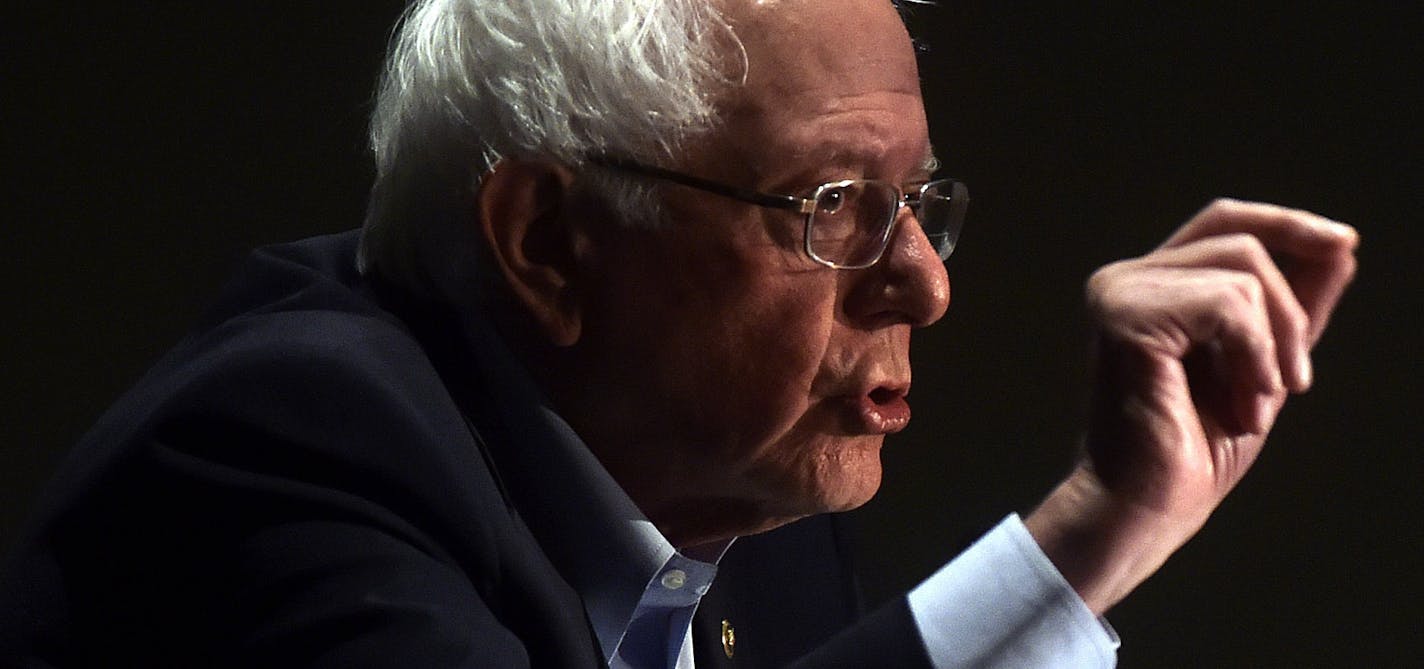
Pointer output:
524, 218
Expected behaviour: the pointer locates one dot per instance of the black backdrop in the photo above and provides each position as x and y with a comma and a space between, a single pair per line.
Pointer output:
146, 147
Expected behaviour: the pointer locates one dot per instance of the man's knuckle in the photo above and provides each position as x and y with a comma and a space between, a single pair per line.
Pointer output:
1222, 204
1102, 278
1250, 248
1244, 291
1109, 291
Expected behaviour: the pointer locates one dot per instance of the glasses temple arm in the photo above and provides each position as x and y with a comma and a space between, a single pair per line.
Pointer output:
791, 202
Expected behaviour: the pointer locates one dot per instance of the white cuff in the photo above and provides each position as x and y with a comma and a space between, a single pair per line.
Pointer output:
1002, 603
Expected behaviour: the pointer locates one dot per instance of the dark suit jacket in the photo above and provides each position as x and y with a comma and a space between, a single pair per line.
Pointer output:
308, 480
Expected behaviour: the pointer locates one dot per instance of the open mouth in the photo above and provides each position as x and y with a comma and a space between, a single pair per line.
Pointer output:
883, 395
883, 410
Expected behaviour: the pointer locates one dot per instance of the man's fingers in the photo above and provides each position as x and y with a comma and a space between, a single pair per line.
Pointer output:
1214, 321
1319, 286
1244, 357
1290, 325
1285, 231
1316, 254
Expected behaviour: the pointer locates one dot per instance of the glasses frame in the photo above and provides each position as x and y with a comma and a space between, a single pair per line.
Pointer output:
801, 205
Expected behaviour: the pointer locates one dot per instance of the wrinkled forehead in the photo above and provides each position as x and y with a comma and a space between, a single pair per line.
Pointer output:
818, 68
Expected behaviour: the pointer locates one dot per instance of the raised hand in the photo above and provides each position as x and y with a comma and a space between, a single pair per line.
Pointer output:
1197, 345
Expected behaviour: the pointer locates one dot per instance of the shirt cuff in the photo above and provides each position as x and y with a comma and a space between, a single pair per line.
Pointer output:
1002, 603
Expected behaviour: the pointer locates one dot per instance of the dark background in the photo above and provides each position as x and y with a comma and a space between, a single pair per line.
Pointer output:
148, 147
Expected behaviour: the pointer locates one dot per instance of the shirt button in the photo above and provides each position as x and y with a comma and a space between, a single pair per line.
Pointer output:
674, 579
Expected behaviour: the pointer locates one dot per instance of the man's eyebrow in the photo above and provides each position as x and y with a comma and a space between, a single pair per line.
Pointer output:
850, 156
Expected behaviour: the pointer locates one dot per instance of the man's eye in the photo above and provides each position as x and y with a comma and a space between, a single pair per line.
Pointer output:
831, 200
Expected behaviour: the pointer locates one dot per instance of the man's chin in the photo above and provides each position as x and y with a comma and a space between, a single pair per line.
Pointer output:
850, 495
841, 484
830, 497
717, 519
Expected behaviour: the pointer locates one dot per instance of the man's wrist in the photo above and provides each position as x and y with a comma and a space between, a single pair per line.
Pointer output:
1103, 546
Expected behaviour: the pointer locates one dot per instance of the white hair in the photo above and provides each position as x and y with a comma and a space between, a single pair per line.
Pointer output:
467, 82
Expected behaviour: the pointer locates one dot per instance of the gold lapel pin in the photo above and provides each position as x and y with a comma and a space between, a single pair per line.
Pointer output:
729, 638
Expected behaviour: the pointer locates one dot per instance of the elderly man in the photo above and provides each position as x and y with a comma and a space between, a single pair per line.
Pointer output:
638, 278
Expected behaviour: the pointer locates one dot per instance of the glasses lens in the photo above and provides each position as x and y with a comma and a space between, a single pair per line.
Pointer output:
851, 222
941, 214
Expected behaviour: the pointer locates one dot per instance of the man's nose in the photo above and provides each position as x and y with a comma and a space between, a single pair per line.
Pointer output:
908, 285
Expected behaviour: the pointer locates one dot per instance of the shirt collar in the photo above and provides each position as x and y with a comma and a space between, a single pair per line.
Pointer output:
592, 531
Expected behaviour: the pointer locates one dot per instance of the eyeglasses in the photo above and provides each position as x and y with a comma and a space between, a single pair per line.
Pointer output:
848, 222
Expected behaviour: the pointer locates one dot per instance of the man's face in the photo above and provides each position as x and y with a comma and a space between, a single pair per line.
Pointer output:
729, 379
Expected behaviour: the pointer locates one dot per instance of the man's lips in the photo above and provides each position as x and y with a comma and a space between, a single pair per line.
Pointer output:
880, 411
